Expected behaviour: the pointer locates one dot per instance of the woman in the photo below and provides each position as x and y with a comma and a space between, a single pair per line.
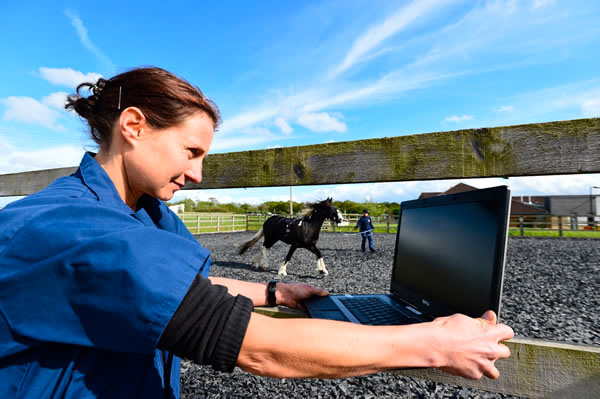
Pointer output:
102, 288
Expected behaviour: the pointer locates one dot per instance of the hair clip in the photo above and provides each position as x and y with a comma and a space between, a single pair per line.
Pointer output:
119, 105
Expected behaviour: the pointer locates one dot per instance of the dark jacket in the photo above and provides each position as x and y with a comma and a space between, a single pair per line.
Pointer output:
364, 223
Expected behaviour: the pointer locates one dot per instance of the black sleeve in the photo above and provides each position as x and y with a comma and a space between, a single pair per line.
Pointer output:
208, 326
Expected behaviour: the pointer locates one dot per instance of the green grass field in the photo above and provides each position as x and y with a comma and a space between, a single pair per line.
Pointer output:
546, 233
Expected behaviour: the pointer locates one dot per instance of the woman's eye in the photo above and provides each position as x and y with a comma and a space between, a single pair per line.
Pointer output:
194, 151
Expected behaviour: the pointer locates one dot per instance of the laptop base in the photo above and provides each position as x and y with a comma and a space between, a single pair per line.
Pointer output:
367, 309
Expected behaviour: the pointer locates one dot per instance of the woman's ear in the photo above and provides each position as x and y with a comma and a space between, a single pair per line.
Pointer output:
132, 123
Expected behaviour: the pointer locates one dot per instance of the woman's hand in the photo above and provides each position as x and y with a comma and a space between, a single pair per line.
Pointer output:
471, 346
291, 295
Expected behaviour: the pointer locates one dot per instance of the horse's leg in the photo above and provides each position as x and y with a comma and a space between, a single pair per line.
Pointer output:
264, 262
282, 269
256, 259
320, 264
261, 259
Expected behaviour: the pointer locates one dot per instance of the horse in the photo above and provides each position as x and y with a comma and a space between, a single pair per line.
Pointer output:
300, 232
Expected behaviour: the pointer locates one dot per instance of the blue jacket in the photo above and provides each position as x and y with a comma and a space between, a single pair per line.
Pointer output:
87, 287
364, 223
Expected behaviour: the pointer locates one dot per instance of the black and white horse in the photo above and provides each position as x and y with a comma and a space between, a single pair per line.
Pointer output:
300, 232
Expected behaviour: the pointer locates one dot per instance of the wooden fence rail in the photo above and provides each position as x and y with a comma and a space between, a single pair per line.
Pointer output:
562, 225
565, 147
537, 368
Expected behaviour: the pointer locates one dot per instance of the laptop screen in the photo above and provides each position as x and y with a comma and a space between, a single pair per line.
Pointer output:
450, 252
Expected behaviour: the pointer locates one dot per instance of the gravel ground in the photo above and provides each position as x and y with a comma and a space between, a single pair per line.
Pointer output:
551, 291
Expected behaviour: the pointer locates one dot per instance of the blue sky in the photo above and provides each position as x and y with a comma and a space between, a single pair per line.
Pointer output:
289, 73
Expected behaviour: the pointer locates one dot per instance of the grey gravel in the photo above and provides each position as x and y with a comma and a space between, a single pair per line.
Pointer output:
551, 291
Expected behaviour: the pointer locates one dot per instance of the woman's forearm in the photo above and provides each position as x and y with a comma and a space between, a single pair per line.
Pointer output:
257, 292
337, 349
295, 348
289, 295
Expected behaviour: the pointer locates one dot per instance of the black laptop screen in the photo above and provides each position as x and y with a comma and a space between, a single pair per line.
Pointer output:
446, 255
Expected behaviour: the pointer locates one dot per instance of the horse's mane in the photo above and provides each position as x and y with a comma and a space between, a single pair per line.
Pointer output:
305, 213
308, 211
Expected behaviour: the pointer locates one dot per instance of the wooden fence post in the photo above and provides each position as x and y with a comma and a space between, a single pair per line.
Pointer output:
197, 223
218, 223
521, 225
560, 232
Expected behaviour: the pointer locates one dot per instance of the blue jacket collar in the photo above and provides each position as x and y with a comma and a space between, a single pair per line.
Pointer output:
98, 181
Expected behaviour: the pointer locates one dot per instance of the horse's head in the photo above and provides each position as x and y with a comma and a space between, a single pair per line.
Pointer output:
329, 210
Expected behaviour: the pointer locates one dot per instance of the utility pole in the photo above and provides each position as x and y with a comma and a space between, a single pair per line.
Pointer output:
291, 204
591, 199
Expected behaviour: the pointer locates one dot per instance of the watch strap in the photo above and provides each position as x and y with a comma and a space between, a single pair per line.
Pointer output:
271, 290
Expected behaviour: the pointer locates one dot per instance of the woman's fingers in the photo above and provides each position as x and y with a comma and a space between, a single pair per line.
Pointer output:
492, 372
503, 332
490, 316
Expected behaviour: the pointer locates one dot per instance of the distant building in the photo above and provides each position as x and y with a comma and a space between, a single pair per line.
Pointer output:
579, 209
517, 206
178, 209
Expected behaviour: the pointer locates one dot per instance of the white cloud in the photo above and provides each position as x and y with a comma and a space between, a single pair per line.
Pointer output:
378, 33
56, 100
541, 3
67, 76
248, 137
578, 184
579, 99
82, 33
321, 122
458, 118
245, 119
29, 110
283, 126
13, 160
505, 108
591, 107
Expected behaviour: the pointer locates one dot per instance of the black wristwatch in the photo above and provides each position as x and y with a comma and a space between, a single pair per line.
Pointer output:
271, 290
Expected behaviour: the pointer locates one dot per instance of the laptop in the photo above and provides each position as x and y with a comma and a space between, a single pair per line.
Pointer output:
449, 258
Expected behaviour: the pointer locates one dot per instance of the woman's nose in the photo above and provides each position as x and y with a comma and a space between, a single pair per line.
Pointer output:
195, 172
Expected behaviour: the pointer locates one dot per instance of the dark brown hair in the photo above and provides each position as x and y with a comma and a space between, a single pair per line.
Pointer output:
165, 99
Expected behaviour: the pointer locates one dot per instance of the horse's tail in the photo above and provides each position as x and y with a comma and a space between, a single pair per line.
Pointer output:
250, 243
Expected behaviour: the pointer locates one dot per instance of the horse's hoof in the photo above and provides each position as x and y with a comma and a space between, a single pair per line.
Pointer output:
324, 272
282, 274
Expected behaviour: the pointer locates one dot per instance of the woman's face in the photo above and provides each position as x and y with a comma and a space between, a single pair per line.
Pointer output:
165, 159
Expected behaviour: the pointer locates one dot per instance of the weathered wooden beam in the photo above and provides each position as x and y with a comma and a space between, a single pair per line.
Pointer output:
535, 369
26, 183
536, 149
280, 312
565, 147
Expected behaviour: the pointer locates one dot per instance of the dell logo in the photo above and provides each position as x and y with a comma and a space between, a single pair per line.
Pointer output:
425, 302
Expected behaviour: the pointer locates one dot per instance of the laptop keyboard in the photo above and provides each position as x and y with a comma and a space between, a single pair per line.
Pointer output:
376, 312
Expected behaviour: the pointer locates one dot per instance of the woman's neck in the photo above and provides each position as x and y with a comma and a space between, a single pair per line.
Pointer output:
113, 165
